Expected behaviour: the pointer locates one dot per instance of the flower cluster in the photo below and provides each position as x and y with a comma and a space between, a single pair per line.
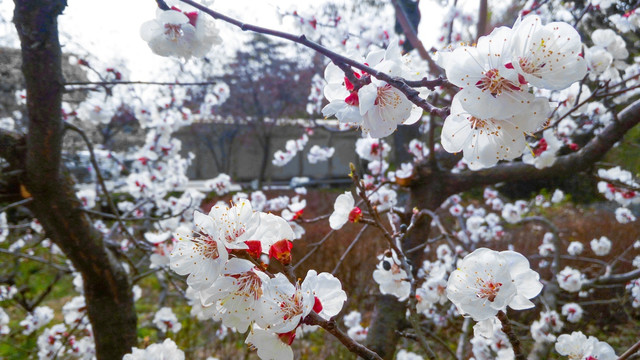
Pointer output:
378, 108
238, 291
495, 108
488, 281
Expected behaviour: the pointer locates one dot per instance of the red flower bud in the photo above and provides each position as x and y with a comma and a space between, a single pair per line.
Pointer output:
281, 251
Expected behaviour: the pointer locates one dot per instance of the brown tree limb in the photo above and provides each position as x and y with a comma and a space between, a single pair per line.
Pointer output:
107, 289
593, 151
412, 35
331, 327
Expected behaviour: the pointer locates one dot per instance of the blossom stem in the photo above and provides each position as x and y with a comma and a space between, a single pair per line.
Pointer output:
331, 327
513, 339
632, 350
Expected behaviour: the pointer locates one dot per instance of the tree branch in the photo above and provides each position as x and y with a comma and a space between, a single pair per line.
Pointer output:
399, 83
595, 150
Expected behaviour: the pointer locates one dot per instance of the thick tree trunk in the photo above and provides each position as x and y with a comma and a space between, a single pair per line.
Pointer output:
107, 289
390, 315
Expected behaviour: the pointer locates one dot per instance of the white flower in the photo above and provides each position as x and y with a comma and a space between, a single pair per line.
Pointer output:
377, 107
327, 292
405, 171
344, 210
624, 215
174, 33
547, 56
557, 196
575, 248
578, 346
203, 256
268, 344
418, 149
544, 153
40, 317
87, 197
570, 279
407, 355
283, 305
317, 153
166, 320
221, 184
542, 330
282, 158
482, 69
75, 312
486, 134
377, 167
167, 350
234, 296
572, 311
488, 281
385, 198
352, 319
372, 149
235, 224
391, 277
602, 246
97, 110
511, 213
4, 227
358, 333
4, 322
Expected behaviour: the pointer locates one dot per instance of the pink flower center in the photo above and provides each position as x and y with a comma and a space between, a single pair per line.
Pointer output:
173, 31
477, 123
355, 214
495, 83
488, 289
387, 96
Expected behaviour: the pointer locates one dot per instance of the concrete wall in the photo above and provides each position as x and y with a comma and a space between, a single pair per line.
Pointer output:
243, 155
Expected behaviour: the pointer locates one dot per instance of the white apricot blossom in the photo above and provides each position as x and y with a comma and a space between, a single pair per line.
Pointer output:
578, 346
235, 224
166, 320
166, 350
390, 276
486, 134
570, 279
488, 281
547, 56
378, 108
601, 247
234, 296
572, 311
344, 210
270, 346
180, 34
202, 256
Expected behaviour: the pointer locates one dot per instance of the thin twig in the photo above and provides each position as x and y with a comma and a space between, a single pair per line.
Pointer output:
513, 339
632, 350
103, 185
17, 203
346, 252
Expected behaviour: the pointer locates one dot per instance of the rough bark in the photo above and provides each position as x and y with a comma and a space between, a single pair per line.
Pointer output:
388, 317
390, 314
107, 289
